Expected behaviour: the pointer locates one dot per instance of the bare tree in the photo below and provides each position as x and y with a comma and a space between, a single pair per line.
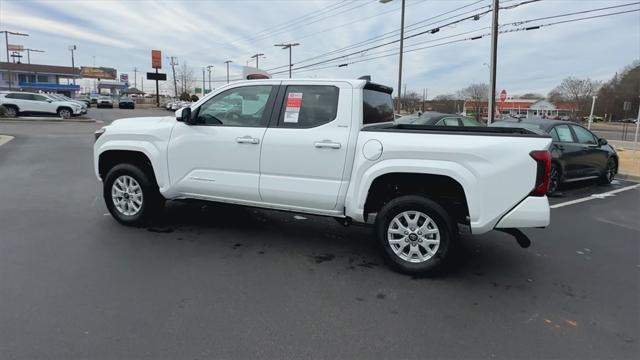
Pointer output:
186, 77
577, 91
411, 101
476, 95
530, 96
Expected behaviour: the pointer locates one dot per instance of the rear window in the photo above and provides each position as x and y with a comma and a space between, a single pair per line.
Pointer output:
377, 107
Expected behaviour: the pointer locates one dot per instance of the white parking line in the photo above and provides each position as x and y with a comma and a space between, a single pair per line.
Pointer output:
594, 196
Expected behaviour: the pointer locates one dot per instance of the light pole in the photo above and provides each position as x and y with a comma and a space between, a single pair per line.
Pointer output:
593, 104
29, 54
401, 50
227, 62
494, 61
288, 46
204, 85
257, 56
209, 67
73, 48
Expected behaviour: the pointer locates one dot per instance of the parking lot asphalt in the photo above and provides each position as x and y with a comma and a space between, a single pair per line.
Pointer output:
221, 281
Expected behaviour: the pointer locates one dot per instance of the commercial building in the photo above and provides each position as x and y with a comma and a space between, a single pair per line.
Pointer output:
522, 107
34, 77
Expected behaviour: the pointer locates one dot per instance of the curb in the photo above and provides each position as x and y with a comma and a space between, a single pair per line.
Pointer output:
628, 177
47, 119
5, 139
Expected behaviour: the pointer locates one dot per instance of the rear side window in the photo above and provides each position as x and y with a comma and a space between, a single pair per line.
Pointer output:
19, 96
564, 133
449, 122
377, 107
307, 106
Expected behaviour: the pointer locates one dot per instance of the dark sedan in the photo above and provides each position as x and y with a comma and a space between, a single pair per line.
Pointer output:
437, 119
126, 103
577, 154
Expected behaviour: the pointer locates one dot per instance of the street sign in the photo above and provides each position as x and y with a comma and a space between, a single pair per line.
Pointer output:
98, 73
503, 95
156, 59
14, 47
156, 76
124, 78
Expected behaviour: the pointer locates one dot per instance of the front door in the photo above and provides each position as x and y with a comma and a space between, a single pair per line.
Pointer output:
219, 157
42, 104
304, 152
594, 157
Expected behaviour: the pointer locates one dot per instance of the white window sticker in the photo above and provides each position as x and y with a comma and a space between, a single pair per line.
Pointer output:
294, 102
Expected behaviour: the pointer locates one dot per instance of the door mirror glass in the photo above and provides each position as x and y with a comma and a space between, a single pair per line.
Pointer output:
184, 115
602, 142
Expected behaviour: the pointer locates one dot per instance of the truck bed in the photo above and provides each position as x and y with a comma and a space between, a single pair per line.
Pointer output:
455, 130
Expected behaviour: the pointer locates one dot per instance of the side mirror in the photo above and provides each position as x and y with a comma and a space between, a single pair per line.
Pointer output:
184, 115
49, 100
602, 141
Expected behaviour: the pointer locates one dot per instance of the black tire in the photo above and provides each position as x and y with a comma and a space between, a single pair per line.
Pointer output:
12, 111
65, 113
152, 200
609, 172
555, 178
448, 236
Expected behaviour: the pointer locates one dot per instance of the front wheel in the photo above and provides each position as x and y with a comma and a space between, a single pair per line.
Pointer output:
131, 195
64, 113
416, 234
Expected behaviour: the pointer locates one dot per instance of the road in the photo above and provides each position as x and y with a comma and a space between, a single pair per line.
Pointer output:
221, 281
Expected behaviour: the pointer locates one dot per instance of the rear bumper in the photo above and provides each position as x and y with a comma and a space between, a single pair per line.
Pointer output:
533, 211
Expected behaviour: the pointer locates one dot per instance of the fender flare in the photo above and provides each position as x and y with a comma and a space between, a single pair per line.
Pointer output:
151, 152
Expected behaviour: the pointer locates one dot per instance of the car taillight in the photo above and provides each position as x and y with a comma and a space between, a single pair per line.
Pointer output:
543, 159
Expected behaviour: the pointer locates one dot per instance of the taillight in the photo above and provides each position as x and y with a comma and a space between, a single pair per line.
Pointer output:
543, 159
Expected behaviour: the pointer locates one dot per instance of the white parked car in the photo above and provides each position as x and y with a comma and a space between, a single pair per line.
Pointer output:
330, 148
59, 97
105, 101
25, 103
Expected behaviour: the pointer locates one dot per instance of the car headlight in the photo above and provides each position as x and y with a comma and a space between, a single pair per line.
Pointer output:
99, 133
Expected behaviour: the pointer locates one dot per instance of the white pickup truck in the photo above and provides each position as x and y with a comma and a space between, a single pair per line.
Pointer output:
331, 148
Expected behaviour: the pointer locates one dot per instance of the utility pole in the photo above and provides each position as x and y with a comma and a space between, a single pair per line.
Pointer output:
227, 62
593, 104
288, 46
142, 84
637, 126
209, 67
173, 69
135, 77
257, 56
73, 48
6, 42
204, 85
401, 51
494, 61
29, 54
424, 97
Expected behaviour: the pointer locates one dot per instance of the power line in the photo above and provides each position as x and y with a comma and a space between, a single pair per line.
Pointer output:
307, 23
479, 37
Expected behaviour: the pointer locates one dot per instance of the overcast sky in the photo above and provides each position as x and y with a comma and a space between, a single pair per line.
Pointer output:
121, 34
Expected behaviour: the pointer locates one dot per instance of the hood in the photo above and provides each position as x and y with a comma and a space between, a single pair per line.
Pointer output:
141, 123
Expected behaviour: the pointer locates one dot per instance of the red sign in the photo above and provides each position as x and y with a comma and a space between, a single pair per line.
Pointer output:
294, 100
503, 95
156, 59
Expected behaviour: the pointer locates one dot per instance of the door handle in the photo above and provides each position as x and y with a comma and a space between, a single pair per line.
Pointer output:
327, 144
247, 140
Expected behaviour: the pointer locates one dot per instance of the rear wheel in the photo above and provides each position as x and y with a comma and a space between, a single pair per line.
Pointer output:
131, 195
11, 111
609, 172
416, 235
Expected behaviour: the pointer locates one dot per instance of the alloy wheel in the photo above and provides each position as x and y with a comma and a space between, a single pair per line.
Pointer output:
126, 195
413, 236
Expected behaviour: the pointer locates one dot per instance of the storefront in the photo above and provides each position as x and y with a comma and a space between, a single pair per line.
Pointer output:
35, 78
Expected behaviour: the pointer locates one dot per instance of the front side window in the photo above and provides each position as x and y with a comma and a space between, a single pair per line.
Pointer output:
39, 97
564, 133
554, 134
243, 106
307, 106
584, 136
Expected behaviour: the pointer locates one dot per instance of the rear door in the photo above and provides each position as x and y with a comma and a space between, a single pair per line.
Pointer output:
43, 104
304, 149
565, 148
593, 156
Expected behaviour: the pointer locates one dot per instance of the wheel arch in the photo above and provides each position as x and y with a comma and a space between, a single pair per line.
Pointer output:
110, 158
